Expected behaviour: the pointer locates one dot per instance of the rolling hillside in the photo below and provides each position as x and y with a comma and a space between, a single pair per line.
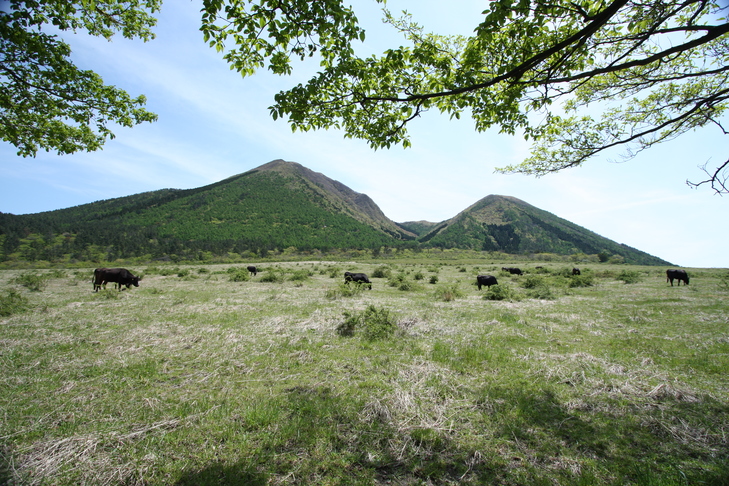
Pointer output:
510, 225
281, 205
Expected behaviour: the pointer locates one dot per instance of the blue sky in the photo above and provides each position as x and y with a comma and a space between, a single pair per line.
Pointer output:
214, 124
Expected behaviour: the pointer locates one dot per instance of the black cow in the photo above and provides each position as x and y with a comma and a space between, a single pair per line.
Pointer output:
97, 279
121, 276
252, 269
359, 278
576, 271
679, 275
487, 280
512, 270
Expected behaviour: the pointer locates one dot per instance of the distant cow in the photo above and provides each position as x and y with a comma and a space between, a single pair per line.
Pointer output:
679, 275
359, 278
487, 280
512, 270
121, 276
252, 269
576, 271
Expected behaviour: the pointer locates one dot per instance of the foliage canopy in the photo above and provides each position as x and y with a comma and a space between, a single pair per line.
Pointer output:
46, 101
653, 70
577, 77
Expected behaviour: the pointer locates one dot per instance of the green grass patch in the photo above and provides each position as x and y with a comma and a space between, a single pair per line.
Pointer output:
197, 381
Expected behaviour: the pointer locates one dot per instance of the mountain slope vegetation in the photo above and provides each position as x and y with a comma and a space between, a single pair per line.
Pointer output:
277, 206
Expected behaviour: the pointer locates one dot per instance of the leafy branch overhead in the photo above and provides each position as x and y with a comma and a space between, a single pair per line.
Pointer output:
651, 70
46, 101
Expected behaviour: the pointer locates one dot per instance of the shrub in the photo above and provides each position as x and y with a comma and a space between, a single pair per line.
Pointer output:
401, 282
434, 279
629, 276
376, 324
533, 281
543, 292
273, 276
31, 281
501, 292
238, 274
382, 272
581, 281
300, 275
12, 303
448, 293
344, 290
418, 276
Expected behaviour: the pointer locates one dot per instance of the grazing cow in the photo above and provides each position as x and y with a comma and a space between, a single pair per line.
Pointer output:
252, 269
576, 271
679, 275
97, 279
359, 278
512, 270
487, 280
121, 276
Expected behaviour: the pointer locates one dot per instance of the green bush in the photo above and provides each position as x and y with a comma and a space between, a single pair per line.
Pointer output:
239, 274
31, 281
12, 303
501, 292
273, 276
542, 292
629, 276
581, 281
448, 293
382, 272
402, 282
533, 281
434, 279
300, 275
344, 290
375, 324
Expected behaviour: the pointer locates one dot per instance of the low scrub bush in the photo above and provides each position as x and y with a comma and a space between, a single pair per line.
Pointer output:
374, 324
581, 281
344, 290
12, 303
300, 275
382, 272
501, 292
238, 274
541, 292
402, 282
31, 281
273, 276
629, 276
533, 281
448, 293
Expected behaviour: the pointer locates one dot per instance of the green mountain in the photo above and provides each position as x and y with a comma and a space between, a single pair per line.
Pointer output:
280, 205
509, 225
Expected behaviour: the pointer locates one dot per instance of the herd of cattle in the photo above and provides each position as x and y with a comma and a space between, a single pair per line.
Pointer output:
123, 277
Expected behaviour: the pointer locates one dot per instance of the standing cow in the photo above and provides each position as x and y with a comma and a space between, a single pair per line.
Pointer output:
121, 276
679, 275
359, 278
576, 271
487, 280
252, 269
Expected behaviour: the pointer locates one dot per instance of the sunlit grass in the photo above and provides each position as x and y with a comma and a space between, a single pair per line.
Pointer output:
199, 378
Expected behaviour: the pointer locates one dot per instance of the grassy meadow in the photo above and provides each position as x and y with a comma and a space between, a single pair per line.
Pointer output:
205, 375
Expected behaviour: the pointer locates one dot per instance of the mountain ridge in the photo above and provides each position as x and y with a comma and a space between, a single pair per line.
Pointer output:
283, 205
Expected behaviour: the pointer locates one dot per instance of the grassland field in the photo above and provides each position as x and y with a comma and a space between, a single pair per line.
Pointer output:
205, 375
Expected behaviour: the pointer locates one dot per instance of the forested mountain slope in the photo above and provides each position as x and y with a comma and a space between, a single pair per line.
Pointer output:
282, 205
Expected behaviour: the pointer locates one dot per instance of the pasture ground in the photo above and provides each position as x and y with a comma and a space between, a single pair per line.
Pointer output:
200, 376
